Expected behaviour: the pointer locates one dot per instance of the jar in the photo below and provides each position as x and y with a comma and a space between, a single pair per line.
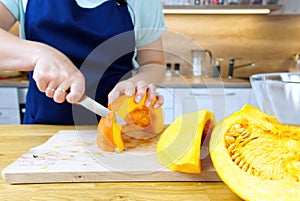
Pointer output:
271, 1
257, 1
244, 2
232, 2
220, 2
197, 2
214, 2
206, 2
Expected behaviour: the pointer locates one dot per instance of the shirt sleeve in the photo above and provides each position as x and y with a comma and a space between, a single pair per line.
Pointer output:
12, 6
148, 21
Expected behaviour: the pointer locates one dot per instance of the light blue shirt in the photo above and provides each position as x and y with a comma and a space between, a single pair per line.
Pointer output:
146, 16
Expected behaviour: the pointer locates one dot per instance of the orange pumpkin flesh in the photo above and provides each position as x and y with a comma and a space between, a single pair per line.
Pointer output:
179, 146
257, 156
109, 134
141, 122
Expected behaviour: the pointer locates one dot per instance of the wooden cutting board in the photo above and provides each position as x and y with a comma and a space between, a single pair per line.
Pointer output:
73, 156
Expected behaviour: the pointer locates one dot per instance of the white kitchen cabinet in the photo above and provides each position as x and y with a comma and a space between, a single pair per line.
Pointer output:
289, 7
221, 101
9, 106
168, 106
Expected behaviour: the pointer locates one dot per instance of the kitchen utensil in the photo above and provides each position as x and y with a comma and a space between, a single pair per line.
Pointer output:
73, 156
278, 94
202, 63
99, 109
297, 60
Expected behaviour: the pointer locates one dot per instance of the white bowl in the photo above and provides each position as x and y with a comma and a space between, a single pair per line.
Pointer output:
278, 94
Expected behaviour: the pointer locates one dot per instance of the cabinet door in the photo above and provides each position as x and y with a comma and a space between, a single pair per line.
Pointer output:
9, 98
236, 99
289, 7
222, 102
168, 106
9, 116
9, 106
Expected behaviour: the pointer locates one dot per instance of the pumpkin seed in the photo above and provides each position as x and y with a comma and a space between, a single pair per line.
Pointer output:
231, 148
229, 139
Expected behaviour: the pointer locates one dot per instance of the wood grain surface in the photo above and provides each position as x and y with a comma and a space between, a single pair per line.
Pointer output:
268, 40
15, 140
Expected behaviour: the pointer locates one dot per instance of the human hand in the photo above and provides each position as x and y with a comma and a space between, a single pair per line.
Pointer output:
55, 74
139, 89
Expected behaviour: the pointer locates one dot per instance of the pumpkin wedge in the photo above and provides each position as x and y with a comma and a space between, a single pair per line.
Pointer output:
257, 156
141, 122
178, 147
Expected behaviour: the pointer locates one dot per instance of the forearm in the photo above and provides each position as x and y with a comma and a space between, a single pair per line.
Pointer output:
152, 63
150, 73
15, 53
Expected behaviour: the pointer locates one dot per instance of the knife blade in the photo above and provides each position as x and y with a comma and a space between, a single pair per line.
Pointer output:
99, 109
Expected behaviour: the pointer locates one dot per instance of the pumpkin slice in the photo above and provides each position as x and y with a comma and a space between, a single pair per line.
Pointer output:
257, 156
141, 122
178, 147
109, 134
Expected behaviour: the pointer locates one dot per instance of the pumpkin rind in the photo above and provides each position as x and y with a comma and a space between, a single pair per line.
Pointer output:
140, 121
256, 156
178, 147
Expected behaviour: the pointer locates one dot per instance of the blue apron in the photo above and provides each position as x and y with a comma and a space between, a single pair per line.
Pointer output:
82, 35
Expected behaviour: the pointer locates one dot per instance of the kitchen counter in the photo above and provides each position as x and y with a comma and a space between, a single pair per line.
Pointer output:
15, 140
197, 82
169, 82
20, 82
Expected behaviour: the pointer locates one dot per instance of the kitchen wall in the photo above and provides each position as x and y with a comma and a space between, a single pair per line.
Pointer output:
268, 40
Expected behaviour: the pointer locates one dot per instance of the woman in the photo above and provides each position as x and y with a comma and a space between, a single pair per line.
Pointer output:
105, 39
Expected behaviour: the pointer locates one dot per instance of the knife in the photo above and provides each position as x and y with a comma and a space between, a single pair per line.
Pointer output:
97, 108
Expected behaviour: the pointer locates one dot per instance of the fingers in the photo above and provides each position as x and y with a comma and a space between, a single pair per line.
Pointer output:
56, 75
153, 99
77, 89
127, 87
41, 80
50, 90
71, 89
140, 89
159, 101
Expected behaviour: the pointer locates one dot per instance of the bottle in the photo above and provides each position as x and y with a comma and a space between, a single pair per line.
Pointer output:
169, 70
177, 69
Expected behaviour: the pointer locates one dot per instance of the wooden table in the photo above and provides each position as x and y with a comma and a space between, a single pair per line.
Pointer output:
15, 140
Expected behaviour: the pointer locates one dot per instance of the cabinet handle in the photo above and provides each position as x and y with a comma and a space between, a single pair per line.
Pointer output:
213, 94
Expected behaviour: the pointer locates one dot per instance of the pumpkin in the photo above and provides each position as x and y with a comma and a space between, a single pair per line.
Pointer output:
178, 148
257, 156
141, 122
